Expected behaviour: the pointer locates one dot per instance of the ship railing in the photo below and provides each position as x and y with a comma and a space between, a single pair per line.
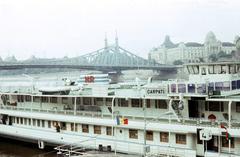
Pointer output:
222, 154
57, 111
183, 121
77, 148
162, 151
18, 89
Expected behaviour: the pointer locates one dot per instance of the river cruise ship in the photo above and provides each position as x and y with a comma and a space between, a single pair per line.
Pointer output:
181, 118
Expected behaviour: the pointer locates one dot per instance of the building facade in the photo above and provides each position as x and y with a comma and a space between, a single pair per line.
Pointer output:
190, 52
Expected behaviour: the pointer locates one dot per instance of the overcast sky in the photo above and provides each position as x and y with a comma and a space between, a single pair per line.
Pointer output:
56, 28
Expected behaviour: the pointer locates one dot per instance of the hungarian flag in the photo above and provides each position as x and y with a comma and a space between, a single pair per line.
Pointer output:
228, 136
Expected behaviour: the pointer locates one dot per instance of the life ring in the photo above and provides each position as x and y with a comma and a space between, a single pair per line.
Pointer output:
212, 117
89, 79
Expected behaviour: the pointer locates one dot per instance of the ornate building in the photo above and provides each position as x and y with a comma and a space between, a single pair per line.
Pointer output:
190, 52
237, 42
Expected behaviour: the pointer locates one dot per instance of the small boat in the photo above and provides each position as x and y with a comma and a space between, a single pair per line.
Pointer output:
55, 90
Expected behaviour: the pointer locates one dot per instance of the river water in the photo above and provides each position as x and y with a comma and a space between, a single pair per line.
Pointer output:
12, 148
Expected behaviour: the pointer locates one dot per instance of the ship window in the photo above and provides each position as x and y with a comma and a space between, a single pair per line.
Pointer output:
133, 133
34, 122
211, 69
44, 99
36, 99
29, 122
173, 88
43, 123
218, 86
53, 99
190, 69
97, 129
234, 85
164, 136
149, 135
238, 84
196, 69
223, 69
85, 128
109, 131
72, 126
211, 86
109, 102
21, 120
63, 125
136, 103
87, 101
38, 123
13, 120
232, 69
148, 103
64, 100
17, 120
181, 88
237, 106
198, 137
203, 71
217, 69
27, 98
226, 86
191, 88
98, 101
162, 104
20, 98
225, 142
49, 124
73, 100
78, 101
201, 88
238, 68
123, 102
181, 139
25, 121
76, 127
214, 106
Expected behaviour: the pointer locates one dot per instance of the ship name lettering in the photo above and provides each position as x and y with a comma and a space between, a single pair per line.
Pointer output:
155, 91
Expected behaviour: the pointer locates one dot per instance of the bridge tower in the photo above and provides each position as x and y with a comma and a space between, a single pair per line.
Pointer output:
106, 42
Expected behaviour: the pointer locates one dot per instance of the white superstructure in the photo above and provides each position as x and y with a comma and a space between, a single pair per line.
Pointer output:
172, 114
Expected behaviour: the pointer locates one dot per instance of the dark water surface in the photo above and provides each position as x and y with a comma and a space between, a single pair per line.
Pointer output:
12, 148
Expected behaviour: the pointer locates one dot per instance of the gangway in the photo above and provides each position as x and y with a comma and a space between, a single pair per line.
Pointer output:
75, 149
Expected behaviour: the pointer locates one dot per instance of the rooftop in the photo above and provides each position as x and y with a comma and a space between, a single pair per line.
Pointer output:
193, 44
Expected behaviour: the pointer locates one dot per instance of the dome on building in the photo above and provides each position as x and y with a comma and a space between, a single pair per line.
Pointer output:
193, 44
238, 44
210, 38
236, 39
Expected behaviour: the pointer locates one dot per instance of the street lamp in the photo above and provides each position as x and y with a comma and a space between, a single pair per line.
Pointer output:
112, 111
32, 80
